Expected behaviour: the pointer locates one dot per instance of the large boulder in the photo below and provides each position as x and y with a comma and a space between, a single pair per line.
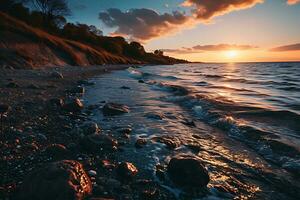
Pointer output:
98, 142
114, 109
73, 105
58, 180
126, 171
90, 128
4, 108
187, 172
57, 152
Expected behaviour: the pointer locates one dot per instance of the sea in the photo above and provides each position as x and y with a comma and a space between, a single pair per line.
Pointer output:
241, 120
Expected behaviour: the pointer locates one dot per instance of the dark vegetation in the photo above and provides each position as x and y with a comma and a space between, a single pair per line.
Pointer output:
50, 17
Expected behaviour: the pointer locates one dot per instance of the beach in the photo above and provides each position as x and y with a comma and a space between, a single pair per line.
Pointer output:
125, 128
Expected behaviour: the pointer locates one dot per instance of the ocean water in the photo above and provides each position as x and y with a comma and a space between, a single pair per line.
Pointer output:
242, 120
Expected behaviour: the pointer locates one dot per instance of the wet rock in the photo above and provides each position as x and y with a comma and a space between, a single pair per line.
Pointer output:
59, 180
189, 122
177, 90
98, 142
150, 194
77, 90
73, 105
114, 109
4, 108
124, 130
141, 81
12, 85
125, 88
84, 82
160, 172
57, 152
171, 143
57, 75
157, 116
126, 171
140, 143
90, 128
187, 172
196, 148
92, 173
57, 102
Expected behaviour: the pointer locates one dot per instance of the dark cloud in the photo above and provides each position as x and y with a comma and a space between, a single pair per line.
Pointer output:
145, 24
207, 9
291, 47
142, 24
205, 48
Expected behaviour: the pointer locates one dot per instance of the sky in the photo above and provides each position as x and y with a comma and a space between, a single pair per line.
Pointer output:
201, 30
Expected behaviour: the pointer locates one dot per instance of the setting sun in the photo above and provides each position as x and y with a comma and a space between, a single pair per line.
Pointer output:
231, 54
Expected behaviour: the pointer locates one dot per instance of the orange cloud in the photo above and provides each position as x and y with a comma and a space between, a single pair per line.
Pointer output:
292, 2
206, 9
206, 48
145, 24
290, 47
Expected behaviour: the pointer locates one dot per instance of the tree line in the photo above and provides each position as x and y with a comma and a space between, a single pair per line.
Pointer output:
50, 15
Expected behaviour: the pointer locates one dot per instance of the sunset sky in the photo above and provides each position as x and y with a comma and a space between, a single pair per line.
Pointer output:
201, 30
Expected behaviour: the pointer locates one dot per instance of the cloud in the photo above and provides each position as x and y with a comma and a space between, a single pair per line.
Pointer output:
206, 48
290, 47
293, 2
205, 10
143, 24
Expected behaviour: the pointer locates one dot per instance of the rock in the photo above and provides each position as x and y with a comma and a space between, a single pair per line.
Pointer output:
187, 172
77, 90
160, 172
57, 102
157, 116
90, 128
32, 86
98, 142
92, 173
57, 75
189, 122
57, 151
114, 109
73, 105
126, 171
58, 180
140, 143
141, 81
12, 85
171, 143
150, 194
85, 82
124, 130
125, 88
4, 108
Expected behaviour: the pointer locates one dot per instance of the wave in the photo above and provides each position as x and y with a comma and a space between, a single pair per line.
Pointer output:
175, 89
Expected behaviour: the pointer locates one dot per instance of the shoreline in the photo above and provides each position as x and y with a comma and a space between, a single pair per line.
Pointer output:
33, 124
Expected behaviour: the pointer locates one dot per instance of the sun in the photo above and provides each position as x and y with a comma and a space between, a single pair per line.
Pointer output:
231, 54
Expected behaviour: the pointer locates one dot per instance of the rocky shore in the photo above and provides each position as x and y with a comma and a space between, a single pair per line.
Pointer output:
51, 150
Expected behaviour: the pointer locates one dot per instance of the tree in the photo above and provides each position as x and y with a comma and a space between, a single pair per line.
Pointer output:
135, 50
159, 52
52, 8
93, 29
